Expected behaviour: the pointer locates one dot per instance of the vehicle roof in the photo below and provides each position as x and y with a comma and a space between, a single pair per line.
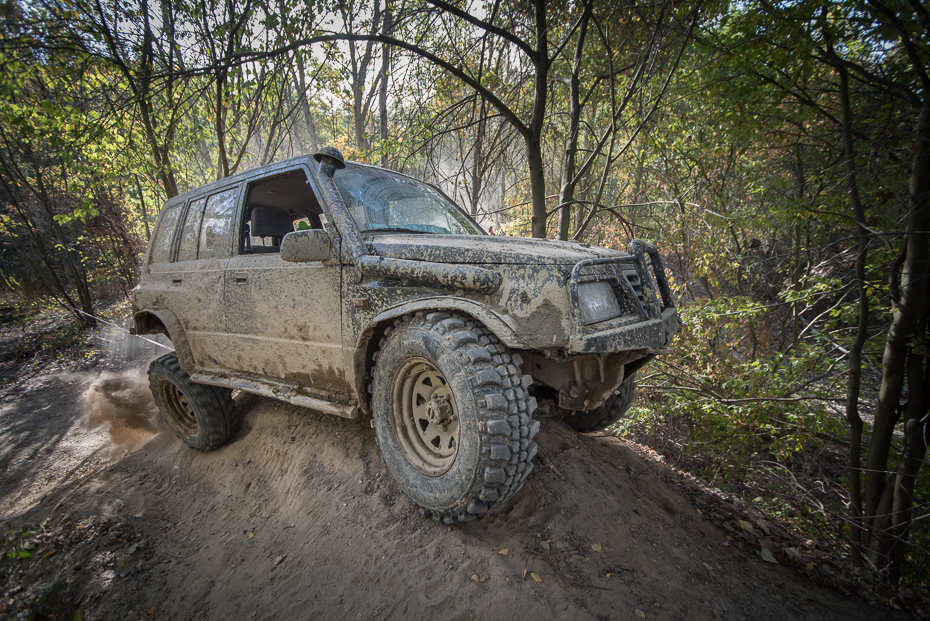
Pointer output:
271, 168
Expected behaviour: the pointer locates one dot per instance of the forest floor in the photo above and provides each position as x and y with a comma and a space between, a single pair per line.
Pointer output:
297, 518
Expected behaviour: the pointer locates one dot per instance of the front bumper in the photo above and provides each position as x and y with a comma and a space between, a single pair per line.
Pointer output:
650, 335
648, 318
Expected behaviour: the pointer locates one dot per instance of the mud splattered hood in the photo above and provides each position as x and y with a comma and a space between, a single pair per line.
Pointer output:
474, 249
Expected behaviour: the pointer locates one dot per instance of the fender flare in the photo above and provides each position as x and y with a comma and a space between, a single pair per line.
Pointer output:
368, 339
172, 329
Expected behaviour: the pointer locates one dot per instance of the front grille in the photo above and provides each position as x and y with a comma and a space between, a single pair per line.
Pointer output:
632, 277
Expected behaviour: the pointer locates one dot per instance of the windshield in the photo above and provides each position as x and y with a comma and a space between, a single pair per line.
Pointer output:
381, 201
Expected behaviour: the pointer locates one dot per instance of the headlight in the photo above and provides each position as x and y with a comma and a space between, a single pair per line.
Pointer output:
598, 302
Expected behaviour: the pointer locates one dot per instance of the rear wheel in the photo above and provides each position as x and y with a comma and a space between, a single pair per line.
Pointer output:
606, 415
202, 416
452, 415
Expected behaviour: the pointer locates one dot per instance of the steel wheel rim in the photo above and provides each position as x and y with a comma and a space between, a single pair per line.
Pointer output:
431, 447
179, 409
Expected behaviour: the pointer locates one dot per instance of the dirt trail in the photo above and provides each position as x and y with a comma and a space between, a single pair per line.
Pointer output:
298, 518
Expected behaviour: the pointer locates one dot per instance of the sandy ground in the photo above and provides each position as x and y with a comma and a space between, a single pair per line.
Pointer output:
297, 518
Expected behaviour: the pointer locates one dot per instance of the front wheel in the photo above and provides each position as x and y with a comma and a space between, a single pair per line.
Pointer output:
606, 415
452, 415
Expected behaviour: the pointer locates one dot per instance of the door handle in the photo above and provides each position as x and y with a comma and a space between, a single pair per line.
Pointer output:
241, 280
175, 281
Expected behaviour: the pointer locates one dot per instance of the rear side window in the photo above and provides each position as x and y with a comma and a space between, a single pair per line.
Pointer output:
190, 233
217, 225
161, 245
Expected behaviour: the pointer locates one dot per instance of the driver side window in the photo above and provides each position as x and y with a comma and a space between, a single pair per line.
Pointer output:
275, 207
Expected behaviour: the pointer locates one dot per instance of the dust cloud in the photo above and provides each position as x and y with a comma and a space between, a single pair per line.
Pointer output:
123, 403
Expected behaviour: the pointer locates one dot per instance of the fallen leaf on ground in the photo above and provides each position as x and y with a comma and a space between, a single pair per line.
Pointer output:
535, 577
474, 578
793, 553
251, 535
596, 547
709, 568
767, 555
745, 525
503, 551
153, 610
640, 614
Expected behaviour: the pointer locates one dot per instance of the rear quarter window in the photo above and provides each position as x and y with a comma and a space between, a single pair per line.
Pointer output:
191, 231
217, 225
161, 243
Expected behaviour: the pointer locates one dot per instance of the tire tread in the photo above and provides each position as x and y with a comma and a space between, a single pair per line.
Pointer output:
506, 413
216, 413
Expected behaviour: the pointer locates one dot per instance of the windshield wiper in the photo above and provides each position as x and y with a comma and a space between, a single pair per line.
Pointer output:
396, 229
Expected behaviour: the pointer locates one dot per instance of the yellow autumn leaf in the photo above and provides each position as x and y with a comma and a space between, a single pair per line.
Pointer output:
503, 551
596, 547
535, 577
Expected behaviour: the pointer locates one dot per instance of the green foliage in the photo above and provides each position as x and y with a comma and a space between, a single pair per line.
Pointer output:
21, 543
736, 405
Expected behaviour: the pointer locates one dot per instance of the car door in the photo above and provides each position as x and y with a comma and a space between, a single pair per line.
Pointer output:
197, 279
285, 318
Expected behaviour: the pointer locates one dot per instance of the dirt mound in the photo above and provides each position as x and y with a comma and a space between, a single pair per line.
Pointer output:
298, 518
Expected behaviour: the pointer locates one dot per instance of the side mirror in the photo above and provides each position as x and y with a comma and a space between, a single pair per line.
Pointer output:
306, 246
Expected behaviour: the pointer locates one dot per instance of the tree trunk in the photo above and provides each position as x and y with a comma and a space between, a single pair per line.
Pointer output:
145, 215
567, 193
855, 352
219, 126
382, 93
534, 136
305, 106
908, 326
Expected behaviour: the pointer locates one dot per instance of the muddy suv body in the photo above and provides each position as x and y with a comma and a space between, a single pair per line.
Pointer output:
390, 301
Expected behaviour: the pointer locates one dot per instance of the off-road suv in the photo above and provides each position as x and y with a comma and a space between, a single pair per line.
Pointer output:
354, 290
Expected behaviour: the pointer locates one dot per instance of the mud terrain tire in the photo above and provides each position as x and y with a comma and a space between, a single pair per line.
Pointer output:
606, 415
202, 416
452, 415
